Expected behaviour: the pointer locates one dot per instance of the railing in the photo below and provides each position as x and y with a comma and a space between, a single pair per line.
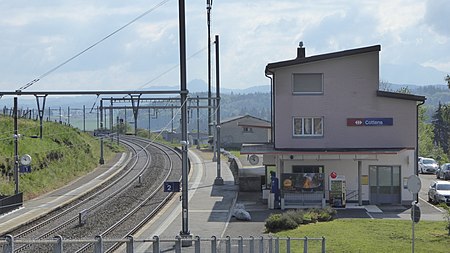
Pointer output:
182, 244
352, 195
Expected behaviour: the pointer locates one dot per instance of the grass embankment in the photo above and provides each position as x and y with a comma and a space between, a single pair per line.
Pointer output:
62, 155
367, 235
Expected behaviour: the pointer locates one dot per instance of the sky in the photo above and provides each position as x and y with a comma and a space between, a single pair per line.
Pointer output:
43, 39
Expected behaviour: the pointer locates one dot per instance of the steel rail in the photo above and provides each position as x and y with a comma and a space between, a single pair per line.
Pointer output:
138, 207
87, 200
141, 224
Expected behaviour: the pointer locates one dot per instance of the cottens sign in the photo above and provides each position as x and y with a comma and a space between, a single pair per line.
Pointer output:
370, 121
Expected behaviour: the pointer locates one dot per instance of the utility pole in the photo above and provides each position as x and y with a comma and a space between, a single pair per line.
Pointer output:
208, 22
219, 179
101, 161
68, 115
16, 149
184, 233
84, 118
198, 123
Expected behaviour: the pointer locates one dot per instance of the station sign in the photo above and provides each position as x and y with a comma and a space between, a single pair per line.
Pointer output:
370, 121
24, 168
171, 186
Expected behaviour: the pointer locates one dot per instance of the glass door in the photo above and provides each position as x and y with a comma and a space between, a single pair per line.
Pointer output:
384, 183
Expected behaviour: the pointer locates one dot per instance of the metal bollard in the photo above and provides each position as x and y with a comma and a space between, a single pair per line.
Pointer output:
58, 248
241, 245
213, 244
277, 245
288, 245
197, 244
156, 244
261, 245
98, 246
178, 244
252, 244
305, 245
9, 246
130, 244
270, 244
323, 244
228, 245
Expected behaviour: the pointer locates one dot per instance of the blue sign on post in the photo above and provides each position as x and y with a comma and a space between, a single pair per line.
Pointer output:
25, 168
172, 186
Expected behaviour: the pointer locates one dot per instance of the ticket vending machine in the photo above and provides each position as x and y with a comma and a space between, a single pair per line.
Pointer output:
337, 191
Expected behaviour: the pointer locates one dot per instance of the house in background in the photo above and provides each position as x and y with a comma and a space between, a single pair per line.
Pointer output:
336, 136
244, 129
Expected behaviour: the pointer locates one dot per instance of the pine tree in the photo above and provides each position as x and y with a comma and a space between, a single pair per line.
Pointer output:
441, 129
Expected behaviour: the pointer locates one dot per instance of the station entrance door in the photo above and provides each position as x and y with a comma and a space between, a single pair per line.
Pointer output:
384, 183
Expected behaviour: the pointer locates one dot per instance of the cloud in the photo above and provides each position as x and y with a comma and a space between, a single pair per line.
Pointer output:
37, 36
437, 16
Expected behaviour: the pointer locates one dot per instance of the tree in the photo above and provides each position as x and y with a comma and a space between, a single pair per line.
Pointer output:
441, 128
426, 137
447, 79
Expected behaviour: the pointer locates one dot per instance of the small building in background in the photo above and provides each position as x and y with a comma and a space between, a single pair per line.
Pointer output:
244, 129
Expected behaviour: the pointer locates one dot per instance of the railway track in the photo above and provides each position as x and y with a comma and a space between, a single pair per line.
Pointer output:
115, 209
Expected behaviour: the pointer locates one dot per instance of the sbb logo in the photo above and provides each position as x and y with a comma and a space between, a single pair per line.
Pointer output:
358, 122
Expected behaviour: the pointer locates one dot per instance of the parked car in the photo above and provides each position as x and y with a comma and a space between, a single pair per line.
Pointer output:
439, 192
427, 165
444, 171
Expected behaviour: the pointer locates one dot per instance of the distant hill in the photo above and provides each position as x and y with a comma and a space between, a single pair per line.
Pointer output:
200, 86
254, 100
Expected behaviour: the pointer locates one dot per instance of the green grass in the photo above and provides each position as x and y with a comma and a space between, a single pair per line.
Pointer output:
367, 235
63, 154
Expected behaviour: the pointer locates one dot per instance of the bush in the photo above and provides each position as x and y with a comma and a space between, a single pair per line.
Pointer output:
293, 218
279, 222
296, 215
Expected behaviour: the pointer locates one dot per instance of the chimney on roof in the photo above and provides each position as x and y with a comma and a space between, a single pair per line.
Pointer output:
301, 50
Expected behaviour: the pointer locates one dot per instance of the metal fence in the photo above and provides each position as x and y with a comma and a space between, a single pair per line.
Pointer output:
182, 244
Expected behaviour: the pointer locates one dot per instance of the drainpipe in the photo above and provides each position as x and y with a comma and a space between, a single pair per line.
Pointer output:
416, 171
271, 106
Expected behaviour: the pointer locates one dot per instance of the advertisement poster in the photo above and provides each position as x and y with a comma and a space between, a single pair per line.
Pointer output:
301, 182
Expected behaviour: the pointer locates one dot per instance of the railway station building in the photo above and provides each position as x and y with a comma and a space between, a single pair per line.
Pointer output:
336, 137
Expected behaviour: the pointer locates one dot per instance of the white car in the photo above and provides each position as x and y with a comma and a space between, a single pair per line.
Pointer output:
439, 192
427, 165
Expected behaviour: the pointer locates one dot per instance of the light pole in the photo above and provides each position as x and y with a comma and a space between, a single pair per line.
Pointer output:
16, 149
219, 179
101, 161
184, 233
208, 23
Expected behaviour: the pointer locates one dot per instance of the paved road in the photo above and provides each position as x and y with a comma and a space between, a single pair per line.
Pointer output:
427, 208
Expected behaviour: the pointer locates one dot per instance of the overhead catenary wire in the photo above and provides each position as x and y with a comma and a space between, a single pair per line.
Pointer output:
29, 84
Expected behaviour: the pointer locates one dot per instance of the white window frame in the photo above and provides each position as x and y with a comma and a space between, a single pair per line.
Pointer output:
306, 92
303, 132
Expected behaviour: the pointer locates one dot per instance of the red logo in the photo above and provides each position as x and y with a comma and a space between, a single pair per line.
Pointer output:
333, 175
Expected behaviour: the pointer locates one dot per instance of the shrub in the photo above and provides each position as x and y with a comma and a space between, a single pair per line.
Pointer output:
296, 215
279, 222
293, 218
